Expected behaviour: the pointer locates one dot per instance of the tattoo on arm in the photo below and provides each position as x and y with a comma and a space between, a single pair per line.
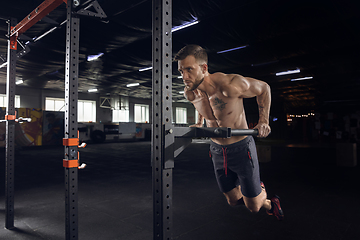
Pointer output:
264, 107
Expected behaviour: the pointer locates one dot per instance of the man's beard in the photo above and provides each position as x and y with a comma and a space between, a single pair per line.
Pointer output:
195, 85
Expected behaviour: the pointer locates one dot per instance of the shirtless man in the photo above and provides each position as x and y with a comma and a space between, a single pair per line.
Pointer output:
218, 98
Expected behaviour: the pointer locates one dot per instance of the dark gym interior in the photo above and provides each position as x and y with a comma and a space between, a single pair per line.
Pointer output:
310, 160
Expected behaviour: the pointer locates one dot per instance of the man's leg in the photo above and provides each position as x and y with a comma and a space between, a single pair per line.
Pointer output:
256, 203
235, 197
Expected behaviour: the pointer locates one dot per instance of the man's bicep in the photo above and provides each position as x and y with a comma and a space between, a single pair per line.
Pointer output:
255, 88
236, 86
244, 87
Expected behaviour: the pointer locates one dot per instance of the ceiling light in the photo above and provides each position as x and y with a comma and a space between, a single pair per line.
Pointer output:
92, 90
188, 24
181, 92
19, 82
288, 72
133, 84
233, 49
299, 79
179, 77
94, 57
144, 69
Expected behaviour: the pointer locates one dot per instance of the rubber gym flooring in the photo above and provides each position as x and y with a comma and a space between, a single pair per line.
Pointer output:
320, 199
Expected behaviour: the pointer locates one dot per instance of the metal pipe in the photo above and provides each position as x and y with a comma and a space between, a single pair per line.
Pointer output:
242, 132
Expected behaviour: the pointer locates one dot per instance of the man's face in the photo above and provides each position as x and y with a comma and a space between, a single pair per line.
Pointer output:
191, 72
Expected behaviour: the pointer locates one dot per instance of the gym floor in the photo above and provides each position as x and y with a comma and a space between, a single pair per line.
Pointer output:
320, 199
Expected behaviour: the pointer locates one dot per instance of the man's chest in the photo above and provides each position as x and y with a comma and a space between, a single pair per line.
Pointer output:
218, 103
215, 106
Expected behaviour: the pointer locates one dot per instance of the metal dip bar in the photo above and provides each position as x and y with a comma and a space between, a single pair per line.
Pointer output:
242, 132
220, 132
183, 135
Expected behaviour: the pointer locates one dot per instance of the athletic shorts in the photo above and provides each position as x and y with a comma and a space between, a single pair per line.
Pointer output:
237, 164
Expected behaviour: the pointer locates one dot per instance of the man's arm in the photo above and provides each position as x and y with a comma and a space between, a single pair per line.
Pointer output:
190, 96
264, 102
200, 121
262, 93
245, 87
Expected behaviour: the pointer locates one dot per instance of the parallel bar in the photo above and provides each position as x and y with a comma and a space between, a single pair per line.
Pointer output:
183, 135
243, 132
71, 126
36, 15
162, 140
193, 132
10, 133
220, 132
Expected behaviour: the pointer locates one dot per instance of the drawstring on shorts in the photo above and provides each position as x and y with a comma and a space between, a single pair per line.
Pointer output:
225, 160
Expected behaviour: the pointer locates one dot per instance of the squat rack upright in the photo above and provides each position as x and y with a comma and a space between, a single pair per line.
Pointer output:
14, 31
169, 141
71, 140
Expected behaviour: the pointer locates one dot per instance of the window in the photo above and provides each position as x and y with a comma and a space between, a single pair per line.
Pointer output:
181, 115
120, 115
55, 104
141, 113
86, 111
3, 101
86, 108
121, 111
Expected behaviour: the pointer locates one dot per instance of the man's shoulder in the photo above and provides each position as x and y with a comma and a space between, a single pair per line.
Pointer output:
219, 76
225, 81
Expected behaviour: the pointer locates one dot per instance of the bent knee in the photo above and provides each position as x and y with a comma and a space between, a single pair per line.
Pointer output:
233, 204
236, 203
254, 209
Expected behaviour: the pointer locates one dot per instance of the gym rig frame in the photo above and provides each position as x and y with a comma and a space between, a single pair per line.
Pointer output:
167, 141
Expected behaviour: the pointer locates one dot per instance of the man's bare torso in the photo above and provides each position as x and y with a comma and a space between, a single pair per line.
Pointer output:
220, 110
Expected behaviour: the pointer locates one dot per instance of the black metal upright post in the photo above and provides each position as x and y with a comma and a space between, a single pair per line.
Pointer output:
10, 128
71, 126
162, 156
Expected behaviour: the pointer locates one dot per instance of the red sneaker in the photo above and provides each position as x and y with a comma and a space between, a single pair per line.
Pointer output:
275, 208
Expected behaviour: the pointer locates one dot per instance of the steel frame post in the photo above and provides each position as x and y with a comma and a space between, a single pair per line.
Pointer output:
162, 154
10, 129
71, 126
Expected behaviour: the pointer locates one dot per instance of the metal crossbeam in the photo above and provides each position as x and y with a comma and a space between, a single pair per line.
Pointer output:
94, 5
36, 15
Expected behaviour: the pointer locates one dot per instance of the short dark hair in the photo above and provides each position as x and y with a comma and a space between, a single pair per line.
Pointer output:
195, 50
